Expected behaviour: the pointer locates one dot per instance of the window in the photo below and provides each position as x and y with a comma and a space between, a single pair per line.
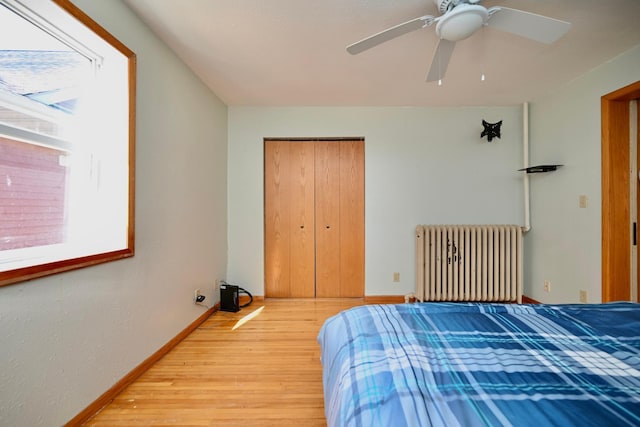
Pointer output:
67, 126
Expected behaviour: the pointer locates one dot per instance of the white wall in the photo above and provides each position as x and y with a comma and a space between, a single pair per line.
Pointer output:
68, 338
422, 165
564, 245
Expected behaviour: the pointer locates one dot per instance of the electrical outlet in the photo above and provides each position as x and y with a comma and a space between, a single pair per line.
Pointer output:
396, 277
196, 294
583, 296
583, 201
547, 285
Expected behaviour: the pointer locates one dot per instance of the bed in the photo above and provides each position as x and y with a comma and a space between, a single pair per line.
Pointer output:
471, 364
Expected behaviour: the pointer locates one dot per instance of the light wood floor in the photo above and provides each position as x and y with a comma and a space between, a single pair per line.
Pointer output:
263, 372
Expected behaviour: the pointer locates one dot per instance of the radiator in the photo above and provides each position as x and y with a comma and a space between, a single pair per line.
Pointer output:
469, 263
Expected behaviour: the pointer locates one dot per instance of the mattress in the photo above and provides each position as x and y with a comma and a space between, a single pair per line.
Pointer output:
470, 364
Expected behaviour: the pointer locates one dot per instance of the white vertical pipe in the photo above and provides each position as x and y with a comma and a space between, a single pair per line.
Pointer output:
525, 160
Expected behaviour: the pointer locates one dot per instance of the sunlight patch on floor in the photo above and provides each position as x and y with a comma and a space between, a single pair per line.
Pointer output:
246, 318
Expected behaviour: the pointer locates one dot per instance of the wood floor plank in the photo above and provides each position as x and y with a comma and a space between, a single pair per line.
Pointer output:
258, 367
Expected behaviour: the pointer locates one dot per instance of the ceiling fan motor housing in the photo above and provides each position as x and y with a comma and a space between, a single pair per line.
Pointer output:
444, 5
461, 22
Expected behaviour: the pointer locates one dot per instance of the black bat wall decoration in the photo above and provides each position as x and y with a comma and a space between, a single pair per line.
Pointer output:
491, 130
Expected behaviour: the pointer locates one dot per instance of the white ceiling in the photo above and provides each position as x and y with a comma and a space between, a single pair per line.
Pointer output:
292, 52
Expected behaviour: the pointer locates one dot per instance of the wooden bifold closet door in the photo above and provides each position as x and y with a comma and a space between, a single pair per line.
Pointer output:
314, 218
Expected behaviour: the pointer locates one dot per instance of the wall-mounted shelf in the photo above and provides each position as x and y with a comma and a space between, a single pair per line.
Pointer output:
540, 168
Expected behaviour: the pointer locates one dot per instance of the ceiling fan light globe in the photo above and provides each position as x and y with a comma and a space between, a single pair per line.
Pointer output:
461, 22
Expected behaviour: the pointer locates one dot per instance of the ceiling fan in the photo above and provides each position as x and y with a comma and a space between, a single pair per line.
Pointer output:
458, 20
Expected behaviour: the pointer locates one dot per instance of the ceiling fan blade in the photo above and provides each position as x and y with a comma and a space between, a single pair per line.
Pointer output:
440, 60
391, 33
530, 25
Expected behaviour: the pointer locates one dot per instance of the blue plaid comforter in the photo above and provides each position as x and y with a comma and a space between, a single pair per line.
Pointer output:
472, 364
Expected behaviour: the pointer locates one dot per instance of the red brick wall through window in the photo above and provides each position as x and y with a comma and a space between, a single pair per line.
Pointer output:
32, 195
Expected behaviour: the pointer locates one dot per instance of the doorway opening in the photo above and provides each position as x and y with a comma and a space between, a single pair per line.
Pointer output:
619, 132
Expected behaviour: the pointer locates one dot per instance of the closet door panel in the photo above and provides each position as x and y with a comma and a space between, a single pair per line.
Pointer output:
351, 218
314, 219
327, 188
302, 219
277, 218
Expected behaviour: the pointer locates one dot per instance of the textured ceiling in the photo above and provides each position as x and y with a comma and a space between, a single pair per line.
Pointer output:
292, 52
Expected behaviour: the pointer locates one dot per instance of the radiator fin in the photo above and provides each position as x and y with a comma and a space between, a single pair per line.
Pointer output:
469, 263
